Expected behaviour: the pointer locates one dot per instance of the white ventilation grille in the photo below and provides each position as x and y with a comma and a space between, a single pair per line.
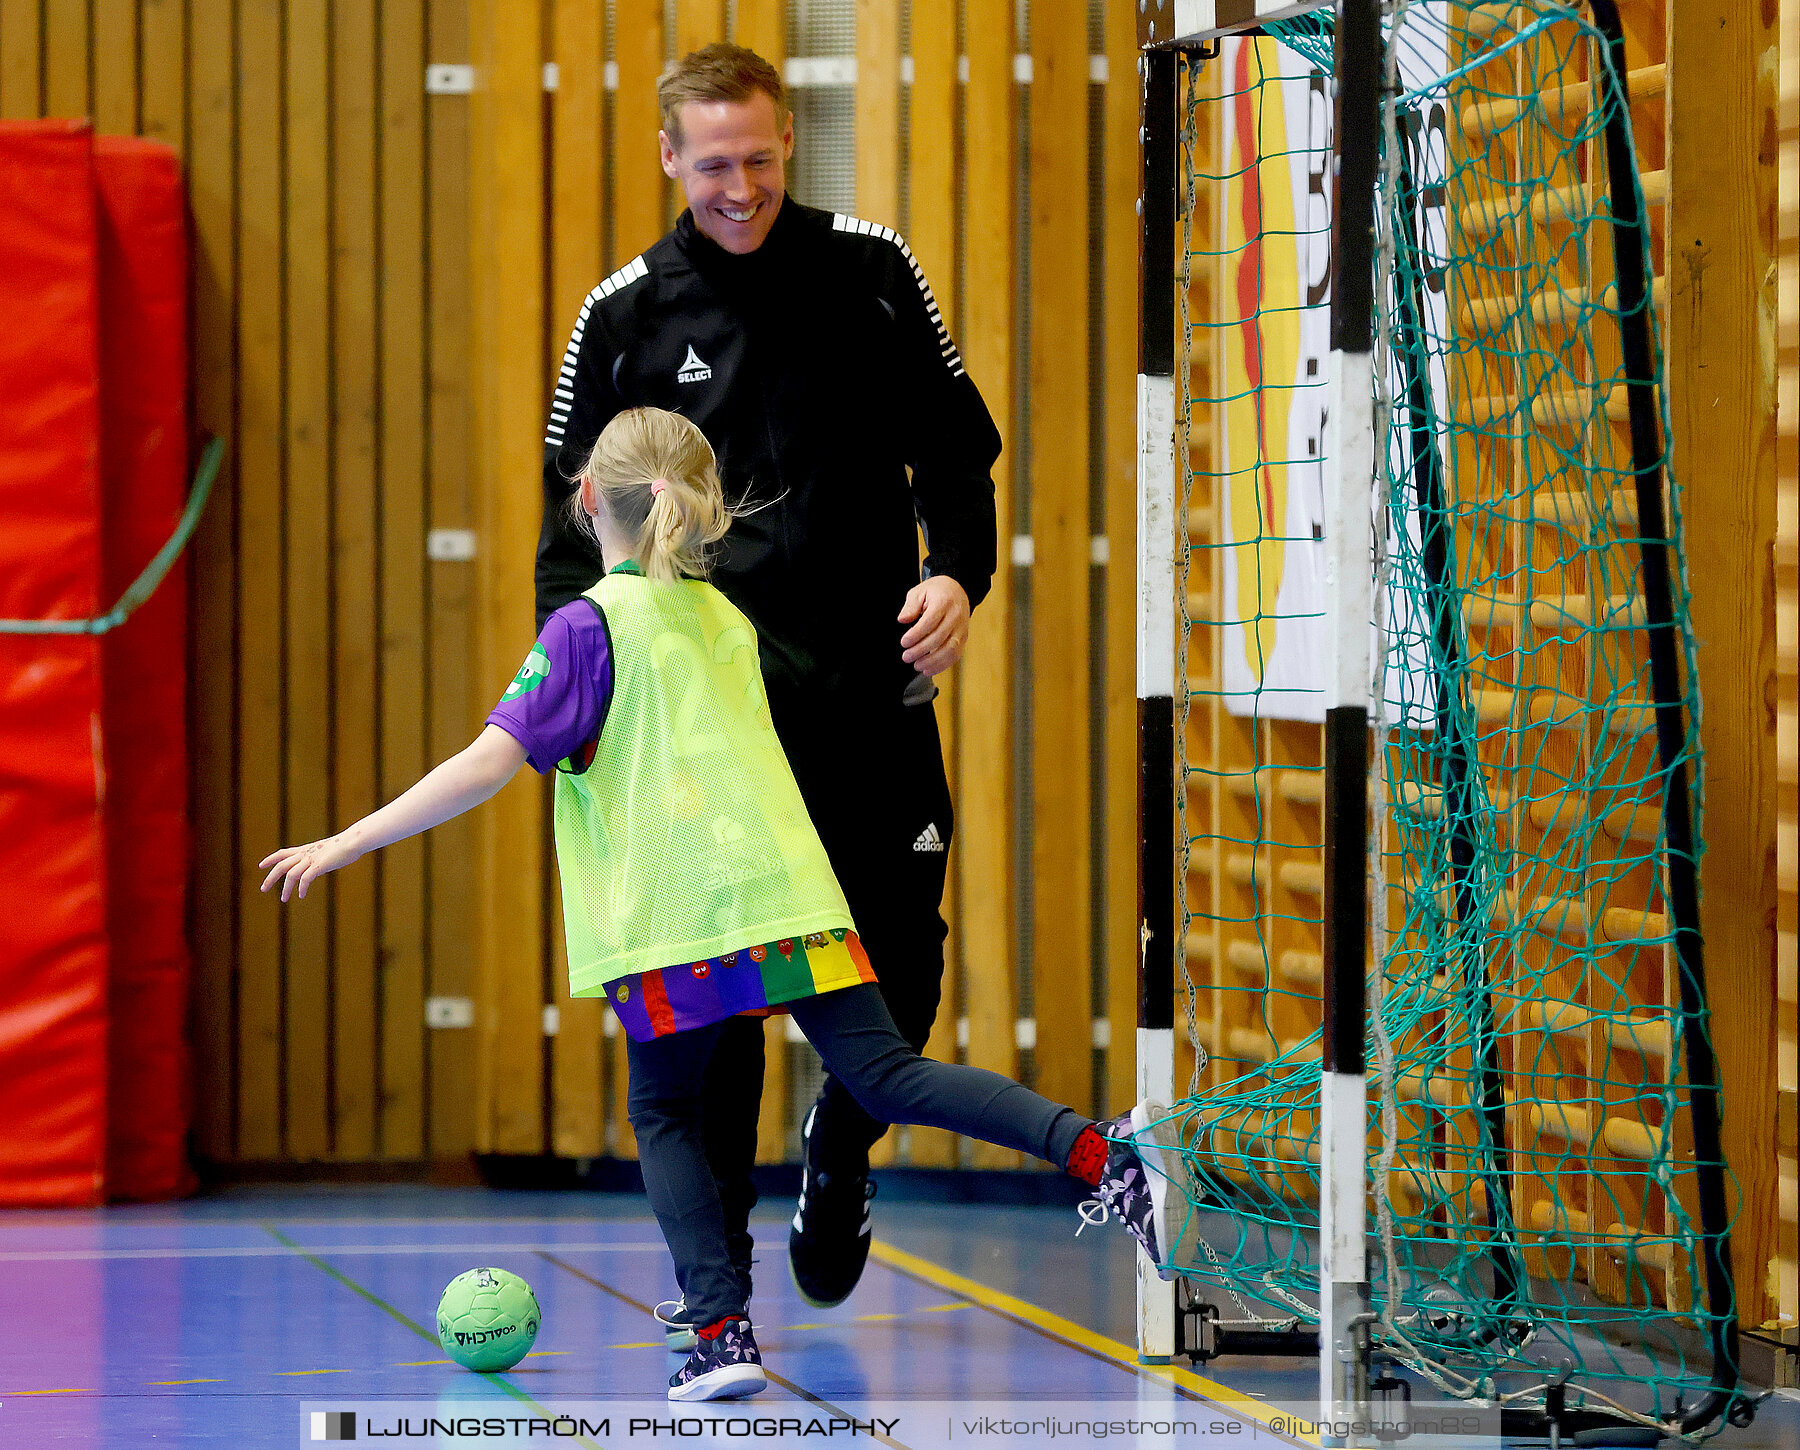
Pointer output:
823, 171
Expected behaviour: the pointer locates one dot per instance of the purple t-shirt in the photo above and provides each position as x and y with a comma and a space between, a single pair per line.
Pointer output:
556, 703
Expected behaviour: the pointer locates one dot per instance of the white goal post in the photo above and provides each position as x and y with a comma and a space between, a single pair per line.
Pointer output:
1166, 28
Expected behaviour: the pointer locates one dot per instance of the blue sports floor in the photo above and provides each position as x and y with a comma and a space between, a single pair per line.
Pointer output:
209, 1322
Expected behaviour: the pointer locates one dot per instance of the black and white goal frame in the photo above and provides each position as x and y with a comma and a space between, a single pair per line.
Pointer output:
1168, 30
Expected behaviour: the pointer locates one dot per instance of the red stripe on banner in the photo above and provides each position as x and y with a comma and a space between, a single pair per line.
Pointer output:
53, 952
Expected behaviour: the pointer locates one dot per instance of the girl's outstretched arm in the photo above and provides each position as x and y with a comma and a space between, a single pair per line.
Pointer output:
461, 783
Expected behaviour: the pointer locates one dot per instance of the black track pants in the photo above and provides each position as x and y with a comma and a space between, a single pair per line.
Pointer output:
874, 785
857, 1039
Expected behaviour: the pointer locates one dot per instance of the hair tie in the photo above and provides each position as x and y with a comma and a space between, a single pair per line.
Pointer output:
657, 486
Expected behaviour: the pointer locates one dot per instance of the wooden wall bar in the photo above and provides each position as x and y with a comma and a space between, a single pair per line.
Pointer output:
1787, 579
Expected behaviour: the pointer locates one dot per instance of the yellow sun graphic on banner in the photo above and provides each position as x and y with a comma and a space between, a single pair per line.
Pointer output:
1262, 348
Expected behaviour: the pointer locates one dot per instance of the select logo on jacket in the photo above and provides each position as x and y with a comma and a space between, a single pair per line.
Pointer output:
692, 369
929, 839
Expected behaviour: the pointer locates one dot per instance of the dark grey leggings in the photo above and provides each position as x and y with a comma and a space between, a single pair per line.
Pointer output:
861, 1048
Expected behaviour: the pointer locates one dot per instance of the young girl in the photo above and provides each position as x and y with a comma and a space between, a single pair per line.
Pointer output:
694, 885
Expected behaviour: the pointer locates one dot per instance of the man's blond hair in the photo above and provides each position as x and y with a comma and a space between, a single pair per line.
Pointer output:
717, 72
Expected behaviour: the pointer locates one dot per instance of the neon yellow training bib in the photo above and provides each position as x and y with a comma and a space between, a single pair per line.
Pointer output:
686, 837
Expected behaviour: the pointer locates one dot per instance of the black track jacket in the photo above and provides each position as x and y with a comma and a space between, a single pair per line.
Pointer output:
820, 370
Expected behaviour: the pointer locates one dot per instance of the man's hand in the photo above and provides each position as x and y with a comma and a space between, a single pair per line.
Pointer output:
938, 610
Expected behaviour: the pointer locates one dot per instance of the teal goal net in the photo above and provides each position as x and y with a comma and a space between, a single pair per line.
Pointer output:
1547, 1199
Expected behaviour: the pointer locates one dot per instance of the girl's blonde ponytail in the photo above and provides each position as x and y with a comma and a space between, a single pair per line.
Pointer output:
655, 474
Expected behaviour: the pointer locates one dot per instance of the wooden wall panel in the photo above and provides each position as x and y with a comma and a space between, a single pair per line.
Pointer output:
698, 23
984, 858
68, 61
212, 656
306, 575
455, 701
1060, 670
1787, 578
762, 27
262, 481
577, 140
878, 111
878, 178
507, 415
772, 1121
326, 665
403, 642
162, 80
639, 188
1722, 278
354, 622
21, 59
932, 236
115, 66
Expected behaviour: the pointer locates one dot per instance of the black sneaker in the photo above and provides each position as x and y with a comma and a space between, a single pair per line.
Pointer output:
1134, 1185
724, 1367
829, 1242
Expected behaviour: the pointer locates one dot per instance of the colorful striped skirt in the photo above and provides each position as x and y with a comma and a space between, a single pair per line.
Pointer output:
755, 980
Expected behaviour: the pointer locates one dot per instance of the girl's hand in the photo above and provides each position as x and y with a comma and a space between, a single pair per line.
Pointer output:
300, 866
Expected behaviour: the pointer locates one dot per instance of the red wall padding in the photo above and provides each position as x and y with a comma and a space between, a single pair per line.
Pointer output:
53, 947
144, 474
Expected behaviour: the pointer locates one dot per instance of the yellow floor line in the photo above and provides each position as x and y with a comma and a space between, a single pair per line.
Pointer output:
8, 1394
1077, 1334
187, 1382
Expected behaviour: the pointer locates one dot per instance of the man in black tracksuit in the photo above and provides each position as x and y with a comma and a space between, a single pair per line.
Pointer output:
809, 349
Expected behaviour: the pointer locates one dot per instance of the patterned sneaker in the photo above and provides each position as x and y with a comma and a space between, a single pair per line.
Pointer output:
1134, 1186
678, 1326
678, 1332
725, 1365
828, 1246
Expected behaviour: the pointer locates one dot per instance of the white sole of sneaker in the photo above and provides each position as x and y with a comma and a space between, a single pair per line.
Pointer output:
728, 1382
1157, 1145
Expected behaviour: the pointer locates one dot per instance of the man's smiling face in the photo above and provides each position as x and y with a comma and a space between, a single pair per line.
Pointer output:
732, 163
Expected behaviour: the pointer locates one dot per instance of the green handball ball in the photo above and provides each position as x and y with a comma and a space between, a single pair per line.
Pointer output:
488, 1319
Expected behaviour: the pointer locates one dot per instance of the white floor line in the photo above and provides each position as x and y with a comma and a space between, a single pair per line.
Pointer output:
281, 1251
